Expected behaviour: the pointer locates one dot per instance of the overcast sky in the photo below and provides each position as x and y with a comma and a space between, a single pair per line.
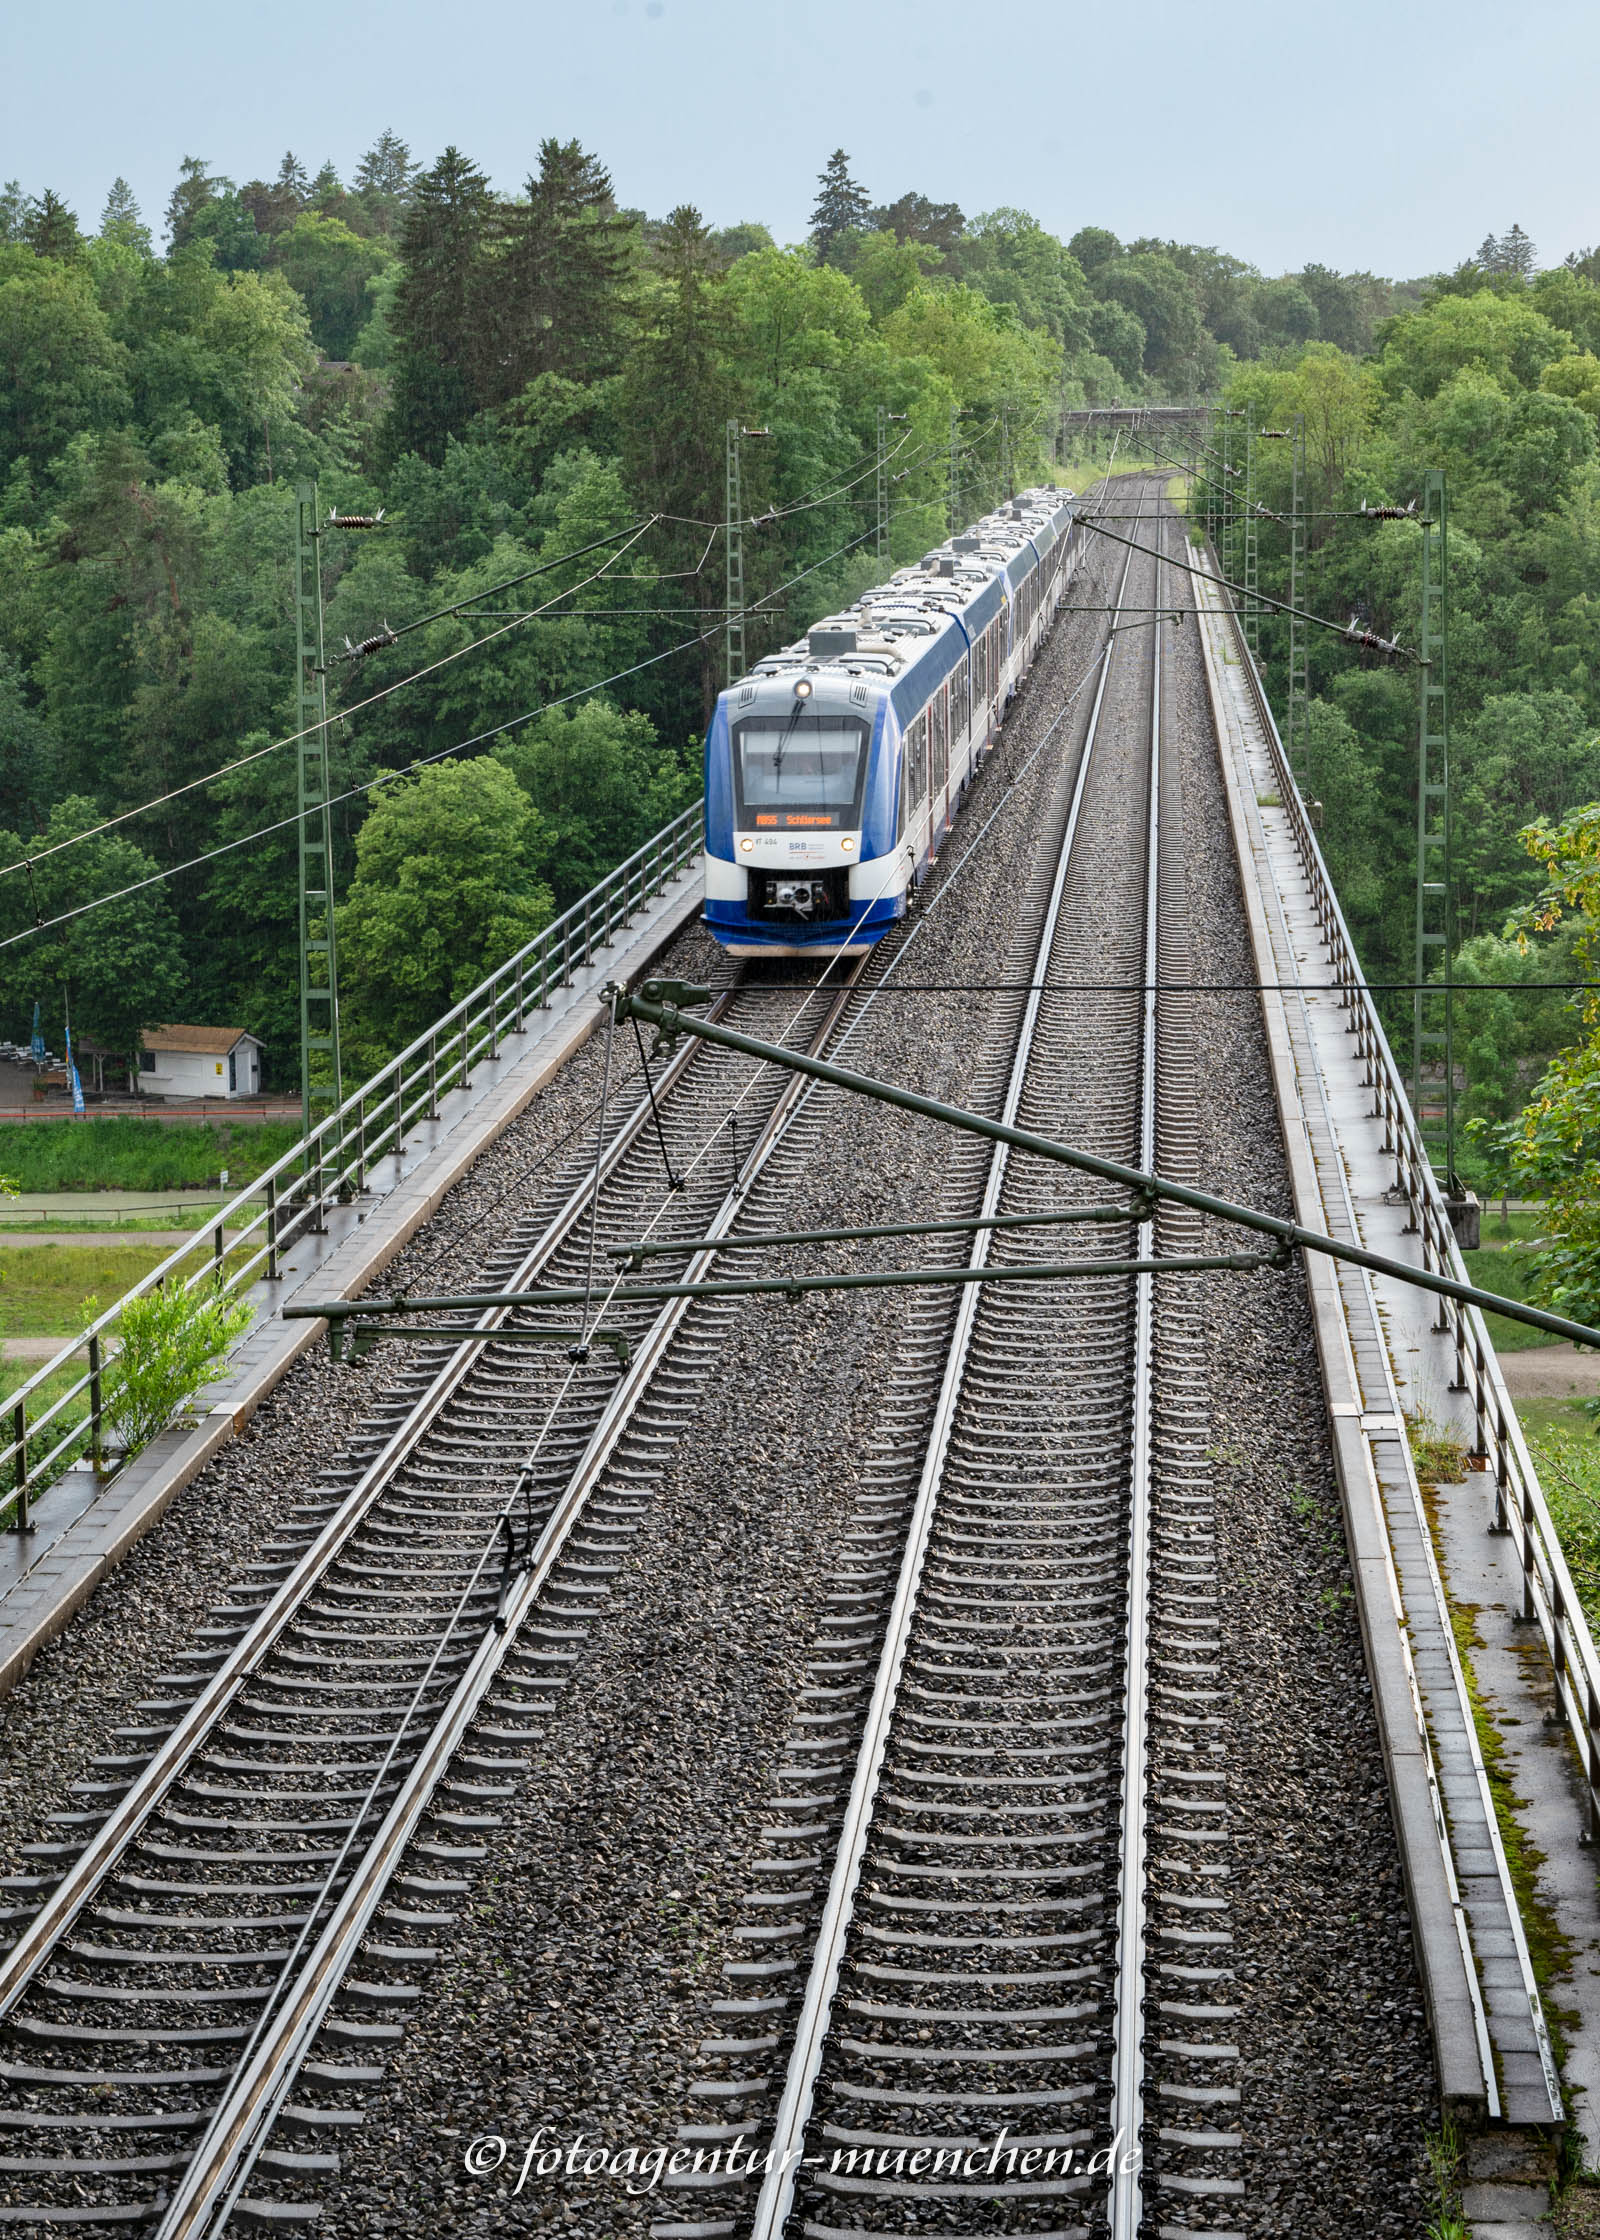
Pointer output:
1387, 137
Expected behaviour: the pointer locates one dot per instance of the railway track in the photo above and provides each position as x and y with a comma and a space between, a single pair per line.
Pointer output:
214, 1950
181, 1950
982, 1979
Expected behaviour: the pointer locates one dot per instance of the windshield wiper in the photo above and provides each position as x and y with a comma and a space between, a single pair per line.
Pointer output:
777, 759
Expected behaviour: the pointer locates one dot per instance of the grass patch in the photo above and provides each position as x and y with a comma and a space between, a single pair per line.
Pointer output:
1439, 1456
1082, 474
43, 1286
1540, 1418
1520, 1225
130, 1154
1443, 2149
1568, 1463
13, 1373
201, 1214
1510, 1269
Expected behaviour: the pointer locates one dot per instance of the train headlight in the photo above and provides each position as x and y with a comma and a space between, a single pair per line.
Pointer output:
746, 846
847, 846
802, 688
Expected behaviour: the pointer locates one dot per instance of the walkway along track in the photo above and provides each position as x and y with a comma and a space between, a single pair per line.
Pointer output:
993, 1913
299, 1797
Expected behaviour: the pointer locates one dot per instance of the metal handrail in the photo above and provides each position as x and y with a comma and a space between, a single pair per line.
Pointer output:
332, 1163
1549, 1598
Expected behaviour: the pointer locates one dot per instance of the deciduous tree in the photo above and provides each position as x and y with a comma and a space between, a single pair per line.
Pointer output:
443, 892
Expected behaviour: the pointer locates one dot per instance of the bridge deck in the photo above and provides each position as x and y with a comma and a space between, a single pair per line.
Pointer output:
82, 1530
1382, 1360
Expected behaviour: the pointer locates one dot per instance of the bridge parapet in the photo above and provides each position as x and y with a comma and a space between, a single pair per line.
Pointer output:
1429, 1564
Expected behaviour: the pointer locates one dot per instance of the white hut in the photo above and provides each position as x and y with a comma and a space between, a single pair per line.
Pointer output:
199, 1062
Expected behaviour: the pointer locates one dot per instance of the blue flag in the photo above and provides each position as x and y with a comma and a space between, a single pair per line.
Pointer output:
38, 1039
72, 1076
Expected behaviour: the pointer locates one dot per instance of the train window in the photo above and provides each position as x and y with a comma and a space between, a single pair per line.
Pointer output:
803, 772
939, 712
917, 761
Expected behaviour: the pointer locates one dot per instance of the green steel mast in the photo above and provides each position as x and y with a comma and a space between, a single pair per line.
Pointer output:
319, 959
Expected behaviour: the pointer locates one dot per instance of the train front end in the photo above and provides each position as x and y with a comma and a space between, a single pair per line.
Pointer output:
801, 802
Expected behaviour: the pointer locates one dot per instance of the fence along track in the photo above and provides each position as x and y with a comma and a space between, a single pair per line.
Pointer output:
282, 1783
41, 1431
963, 1746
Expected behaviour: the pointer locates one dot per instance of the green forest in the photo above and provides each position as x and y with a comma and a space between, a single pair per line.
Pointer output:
533, 393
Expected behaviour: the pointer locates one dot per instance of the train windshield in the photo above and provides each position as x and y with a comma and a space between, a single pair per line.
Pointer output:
803, 774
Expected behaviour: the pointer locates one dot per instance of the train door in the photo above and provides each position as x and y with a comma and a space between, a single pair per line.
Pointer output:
939, 713
916, 823
961, 720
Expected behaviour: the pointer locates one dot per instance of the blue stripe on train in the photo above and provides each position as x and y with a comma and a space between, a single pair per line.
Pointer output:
734, 918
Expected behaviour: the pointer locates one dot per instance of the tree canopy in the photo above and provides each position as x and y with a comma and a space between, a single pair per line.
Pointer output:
510, 373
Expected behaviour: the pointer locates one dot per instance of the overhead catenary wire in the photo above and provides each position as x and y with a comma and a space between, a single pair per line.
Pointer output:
882, 987
457, 608
37, 856
384, 777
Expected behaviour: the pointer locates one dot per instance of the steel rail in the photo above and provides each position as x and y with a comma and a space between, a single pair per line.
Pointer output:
1126, 2205
236, 2130
755, 1240
145, 1795
223, 2158
786, 2147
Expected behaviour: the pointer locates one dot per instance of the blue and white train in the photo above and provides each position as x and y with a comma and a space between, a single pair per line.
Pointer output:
836, 767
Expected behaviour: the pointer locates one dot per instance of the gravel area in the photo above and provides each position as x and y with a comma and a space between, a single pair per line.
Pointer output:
1338, 2085
574, 1989
575, 1994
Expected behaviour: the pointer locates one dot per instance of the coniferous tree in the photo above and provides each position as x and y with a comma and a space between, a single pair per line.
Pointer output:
437, 318
1517, 253
50, 228
382, 183
1511, 252
292, 182
558, 293
13, 210
677, 401
842, 208
121, 221
194, 190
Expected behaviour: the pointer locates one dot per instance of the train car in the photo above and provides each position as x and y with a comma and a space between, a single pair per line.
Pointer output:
835, 768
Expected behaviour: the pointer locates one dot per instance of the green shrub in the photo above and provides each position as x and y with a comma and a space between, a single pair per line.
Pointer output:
172, 1342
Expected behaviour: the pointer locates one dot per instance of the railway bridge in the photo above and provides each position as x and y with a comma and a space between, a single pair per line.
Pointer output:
807, 1611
